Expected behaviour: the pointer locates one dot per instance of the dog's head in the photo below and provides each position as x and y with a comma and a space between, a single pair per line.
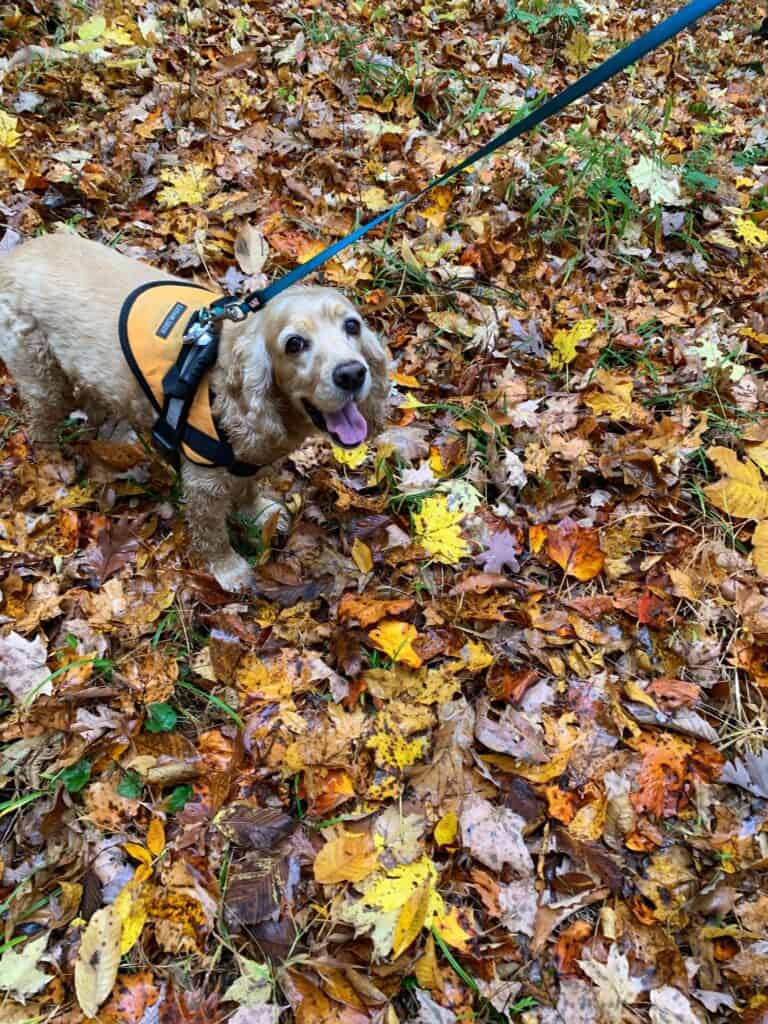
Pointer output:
312, 347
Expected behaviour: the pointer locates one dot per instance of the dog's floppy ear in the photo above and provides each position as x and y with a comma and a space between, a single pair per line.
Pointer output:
375, 354
377, 357
250, 372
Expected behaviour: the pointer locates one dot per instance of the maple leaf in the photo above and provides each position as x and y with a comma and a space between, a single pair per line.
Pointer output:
751, 233
19, 973
565, 342
616, 988
741, 492
352, 457
661, 183
576, 549
438, 530
187, 187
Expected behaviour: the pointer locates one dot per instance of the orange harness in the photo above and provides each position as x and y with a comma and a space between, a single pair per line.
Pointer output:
153, 322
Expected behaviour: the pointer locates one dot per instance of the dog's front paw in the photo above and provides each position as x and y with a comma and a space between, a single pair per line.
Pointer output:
234, 574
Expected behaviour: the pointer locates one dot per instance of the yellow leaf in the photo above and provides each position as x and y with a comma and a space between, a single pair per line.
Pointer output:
451, 929
97, 960
349, 857
412, 918
156, 837
579, 49
435, 213
446, 829
140, 853
406, 380
118, 37
375, 199
564, 343
438, 530
476, 656
748, 332
394, 751
760, 547
536, 536
740, 492
759, 455
131, 904
395, 639
188, 187
92, 28
361, 555
753, 235
392, 890
8, 134
427, 970
352, 457
615, 398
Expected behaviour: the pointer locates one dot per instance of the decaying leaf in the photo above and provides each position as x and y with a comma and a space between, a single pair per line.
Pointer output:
19, 973
98, 959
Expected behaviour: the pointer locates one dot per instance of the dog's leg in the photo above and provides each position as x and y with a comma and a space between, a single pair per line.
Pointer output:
45, 392
208, 500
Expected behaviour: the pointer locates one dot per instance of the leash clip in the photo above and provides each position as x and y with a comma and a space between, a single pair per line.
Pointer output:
224, 309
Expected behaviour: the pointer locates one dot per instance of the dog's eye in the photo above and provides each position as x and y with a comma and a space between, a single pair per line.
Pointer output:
295, 344
352, 326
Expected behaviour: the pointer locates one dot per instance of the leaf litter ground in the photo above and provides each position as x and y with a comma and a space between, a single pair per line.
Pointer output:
492, 739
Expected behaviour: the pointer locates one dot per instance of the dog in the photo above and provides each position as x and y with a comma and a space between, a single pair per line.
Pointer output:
304, 363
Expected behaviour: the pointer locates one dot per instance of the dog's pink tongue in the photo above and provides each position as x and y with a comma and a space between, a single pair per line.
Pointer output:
348, 424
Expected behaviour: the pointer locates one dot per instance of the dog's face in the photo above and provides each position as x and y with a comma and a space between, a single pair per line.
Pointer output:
322, 359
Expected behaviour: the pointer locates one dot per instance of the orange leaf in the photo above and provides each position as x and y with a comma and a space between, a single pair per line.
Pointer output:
349, 857
156, 837
396, 640
536, 537
366, 611
576, 549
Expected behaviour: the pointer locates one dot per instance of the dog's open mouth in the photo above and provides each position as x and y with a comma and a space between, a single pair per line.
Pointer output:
346, 426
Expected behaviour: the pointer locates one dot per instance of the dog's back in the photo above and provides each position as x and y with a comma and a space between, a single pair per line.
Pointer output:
60, 301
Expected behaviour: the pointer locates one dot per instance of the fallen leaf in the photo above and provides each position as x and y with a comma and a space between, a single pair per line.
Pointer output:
98, 960
350, 857
438, 530
19, 973
396, 639
576, 549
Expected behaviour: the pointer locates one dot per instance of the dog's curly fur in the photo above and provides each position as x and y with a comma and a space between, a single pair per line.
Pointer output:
60, 299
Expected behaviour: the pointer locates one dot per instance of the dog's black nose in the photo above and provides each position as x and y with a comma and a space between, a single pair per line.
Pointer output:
349, 376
